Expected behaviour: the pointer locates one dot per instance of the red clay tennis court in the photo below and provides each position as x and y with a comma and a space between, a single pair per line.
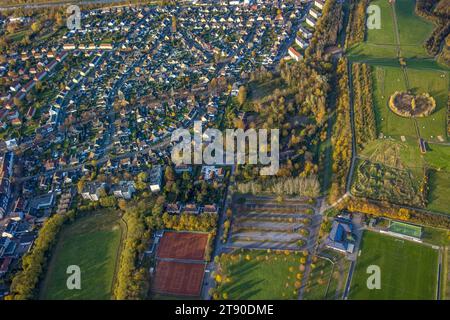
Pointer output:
175, 278
183, 246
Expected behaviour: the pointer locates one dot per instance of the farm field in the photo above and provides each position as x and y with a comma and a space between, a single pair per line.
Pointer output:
408, 270
258, 274
91, 242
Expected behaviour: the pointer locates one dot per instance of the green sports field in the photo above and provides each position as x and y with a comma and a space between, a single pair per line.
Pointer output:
408, 269
92, 243
406, 229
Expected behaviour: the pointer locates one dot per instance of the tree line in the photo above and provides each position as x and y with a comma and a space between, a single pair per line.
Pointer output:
356, 26
293, 186
435, 11
365, 124
132, 280
327, 28
24, 283
388, 210
342, 135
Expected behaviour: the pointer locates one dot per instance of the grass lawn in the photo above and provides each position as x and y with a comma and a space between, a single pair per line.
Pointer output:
387, 80
91, 242
412, 43
437, 84
385, 35
271, 278
440, 237
408, 270
18, 35
322, 281
439, 199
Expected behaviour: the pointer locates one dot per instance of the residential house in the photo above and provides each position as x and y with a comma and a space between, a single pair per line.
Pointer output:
92, 191
155, 178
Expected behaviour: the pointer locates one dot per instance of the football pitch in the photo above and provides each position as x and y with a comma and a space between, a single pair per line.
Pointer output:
406, 229
408, 269
92, 243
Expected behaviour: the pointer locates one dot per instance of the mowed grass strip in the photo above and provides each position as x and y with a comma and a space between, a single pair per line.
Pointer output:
408, 269
92, 243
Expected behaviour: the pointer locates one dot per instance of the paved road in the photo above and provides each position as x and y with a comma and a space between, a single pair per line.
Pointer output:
352, 125
208, 281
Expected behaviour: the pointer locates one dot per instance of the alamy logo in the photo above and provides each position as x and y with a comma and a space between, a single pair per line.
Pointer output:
74, 280
208, 147
374, 280
74, 17
373, 17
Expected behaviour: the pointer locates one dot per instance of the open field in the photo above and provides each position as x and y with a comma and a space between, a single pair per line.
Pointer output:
408, 270
259, 90
183, 245
403, 155
176, 278
412, 43
257, 274
92, 243
381, 43
398, 147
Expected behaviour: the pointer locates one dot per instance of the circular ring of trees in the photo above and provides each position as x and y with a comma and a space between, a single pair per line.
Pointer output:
406, 104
